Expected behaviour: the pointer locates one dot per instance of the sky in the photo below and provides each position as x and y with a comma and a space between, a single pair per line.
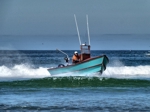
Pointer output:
50, 24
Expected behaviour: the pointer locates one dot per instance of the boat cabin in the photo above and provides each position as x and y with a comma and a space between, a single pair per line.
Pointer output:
85, 51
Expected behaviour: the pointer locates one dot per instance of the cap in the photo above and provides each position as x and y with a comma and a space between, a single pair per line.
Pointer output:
75, 52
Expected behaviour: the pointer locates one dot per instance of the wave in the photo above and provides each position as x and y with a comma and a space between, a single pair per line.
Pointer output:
76, 81
24, 71
128, 72
27, 76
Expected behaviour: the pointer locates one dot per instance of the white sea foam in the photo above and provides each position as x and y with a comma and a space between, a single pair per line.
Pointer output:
25, 71
128, 72
22, 71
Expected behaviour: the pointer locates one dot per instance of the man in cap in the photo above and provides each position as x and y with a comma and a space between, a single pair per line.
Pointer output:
76, 57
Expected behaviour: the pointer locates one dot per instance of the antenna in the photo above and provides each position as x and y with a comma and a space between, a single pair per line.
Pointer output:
88, 29
77, 29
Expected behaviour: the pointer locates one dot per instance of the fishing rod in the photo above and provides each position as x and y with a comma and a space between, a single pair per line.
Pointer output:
67, 59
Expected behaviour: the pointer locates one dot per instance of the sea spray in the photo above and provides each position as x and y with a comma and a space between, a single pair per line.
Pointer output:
25, 71
21, 72
34, 64
128, 72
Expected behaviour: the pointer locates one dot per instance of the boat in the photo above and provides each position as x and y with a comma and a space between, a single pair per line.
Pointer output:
148, 53
87, 64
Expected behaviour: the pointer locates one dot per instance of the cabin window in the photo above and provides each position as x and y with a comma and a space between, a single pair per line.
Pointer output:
85, 49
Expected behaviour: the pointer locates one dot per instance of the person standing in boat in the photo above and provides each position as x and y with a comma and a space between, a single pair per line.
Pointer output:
76, 57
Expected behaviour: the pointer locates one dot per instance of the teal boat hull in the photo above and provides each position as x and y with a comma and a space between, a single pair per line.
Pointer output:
88, 66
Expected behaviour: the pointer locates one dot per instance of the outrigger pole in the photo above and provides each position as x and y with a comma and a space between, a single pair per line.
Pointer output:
77, 29
88, 29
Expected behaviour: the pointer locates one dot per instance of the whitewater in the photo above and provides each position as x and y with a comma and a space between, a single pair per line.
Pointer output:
24, 71
19, 65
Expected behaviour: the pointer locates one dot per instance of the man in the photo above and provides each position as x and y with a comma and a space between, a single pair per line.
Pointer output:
76, 57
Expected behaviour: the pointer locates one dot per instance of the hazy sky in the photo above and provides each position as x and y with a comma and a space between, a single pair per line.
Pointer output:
49, 24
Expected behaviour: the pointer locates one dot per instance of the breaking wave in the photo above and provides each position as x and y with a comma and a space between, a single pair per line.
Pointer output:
27, 76
24, 71
128, 72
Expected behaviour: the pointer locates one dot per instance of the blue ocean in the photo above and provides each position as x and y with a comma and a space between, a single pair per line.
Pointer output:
27, 86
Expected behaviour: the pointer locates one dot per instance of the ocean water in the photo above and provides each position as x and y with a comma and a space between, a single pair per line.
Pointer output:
26, 85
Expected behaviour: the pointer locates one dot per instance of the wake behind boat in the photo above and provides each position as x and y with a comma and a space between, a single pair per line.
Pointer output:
87, 64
